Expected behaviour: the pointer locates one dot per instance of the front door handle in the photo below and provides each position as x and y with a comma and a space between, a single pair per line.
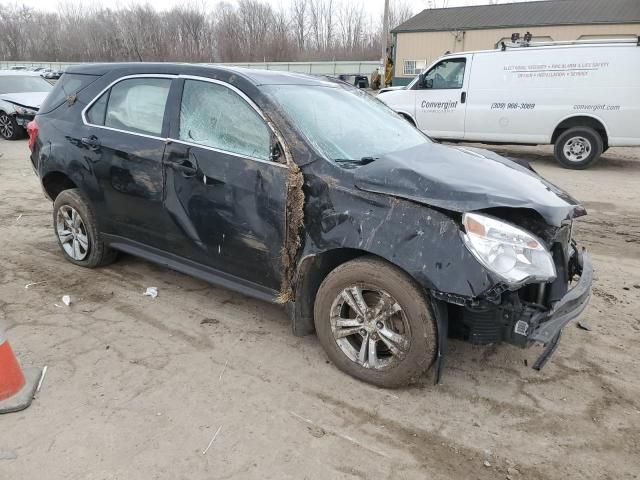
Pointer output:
185, 167
463, 97
91, 141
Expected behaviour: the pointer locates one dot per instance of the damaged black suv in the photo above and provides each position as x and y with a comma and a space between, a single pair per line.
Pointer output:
381, 241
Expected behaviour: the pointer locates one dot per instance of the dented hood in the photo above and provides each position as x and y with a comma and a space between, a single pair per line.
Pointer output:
463, 179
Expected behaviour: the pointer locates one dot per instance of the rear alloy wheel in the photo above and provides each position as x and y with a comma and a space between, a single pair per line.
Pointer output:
76, 229
9, 128
375, 323
578, 148
72, 233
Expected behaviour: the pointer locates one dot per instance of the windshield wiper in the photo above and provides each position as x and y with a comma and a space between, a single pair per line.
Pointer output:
362, 161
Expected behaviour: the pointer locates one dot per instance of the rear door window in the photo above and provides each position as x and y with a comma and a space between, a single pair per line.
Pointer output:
134, 105
216, 116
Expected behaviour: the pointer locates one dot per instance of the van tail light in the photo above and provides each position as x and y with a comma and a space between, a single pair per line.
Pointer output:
32, 131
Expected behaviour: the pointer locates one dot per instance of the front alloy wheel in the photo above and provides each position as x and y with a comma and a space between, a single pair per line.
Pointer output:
375, 323
370, 327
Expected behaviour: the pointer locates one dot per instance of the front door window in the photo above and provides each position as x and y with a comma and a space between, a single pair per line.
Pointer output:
215, 116
448, 74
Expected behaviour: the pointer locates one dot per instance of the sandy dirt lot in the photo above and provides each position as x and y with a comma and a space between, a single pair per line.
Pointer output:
137, 387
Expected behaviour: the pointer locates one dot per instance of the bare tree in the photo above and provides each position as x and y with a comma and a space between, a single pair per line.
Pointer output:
246, 30
350, 24
299, 11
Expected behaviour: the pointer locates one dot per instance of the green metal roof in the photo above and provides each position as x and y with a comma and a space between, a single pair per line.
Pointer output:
524, 14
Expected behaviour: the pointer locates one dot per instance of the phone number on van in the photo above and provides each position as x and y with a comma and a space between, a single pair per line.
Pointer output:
513, 106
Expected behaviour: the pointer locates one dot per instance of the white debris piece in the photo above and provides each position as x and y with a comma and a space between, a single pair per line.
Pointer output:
44, 372
151, 292
66, 299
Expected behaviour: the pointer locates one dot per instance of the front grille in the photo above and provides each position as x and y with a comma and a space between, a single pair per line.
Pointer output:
482, 326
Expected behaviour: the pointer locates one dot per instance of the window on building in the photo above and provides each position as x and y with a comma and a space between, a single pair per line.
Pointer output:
413, 67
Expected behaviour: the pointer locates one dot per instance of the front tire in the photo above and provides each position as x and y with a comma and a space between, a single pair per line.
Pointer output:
375, 323
9, 128
578, 148
75, 225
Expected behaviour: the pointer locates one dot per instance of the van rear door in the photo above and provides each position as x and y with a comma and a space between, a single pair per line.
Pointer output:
441, 97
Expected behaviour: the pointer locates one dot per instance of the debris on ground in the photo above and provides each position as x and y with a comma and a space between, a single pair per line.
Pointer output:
8, 455
66, 299
29, 285
316, 431
151, 292
44, 372
209, 321
223, 370
19, 217
212, 440
487, 464
584, 325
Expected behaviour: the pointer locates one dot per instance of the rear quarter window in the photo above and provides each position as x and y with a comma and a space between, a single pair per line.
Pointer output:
68, 85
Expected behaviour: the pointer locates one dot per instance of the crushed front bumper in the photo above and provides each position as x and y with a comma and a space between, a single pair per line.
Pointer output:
551, 323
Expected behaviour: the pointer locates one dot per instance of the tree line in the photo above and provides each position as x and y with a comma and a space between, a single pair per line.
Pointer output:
247, 31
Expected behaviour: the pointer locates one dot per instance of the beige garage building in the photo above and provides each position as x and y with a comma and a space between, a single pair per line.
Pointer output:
433, 32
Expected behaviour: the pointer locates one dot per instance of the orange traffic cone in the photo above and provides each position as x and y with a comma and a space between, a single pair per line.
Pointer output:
16, 387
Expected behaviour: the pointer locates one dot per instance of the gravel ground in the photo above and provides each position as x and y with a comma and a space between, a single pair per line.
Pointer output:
138, 387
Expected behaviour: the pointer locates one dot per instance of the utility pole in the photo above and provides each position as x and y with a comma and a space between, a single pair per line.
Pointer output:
385, 34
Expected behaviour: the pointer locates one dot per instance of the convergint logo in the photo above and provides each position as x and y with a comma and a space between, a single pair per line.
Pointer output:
441, 106
595, 108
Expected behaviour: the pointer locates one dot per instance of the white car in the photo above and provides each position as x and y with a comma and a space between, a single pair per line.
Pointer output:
582, 97
21, 94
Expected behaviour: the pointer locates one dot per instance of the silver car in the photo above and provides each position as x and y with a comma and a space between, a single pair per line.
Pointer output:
21, 94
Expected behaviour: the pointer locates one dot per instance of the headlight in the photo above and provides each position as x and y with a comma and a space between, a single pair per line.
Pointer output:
514, 254
25, 111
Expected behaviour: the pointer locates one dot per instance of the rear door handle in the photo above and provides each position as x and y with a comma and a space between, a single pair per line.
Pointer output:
185, 167
463, 97
91, 142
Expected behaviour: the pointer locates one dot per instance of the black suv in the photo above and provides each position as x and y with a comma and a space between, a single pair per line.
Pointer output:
381, 241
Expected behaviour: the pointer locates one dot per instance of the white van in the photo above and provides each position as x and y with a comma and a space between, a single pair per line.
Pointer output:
583, 97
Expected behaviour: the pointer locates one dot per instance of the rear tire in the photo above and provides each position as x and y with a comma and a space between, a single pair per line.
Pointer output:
578, 148
9, 128
397, 327
76, 228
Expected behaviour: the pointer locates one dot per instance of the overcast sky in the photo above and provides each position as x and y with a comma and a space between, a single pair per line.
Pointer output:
374, 7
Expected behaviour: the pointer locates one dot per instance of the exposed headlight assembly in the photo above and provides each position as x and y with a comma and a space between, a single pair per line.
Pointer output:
514, 254
25, 111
